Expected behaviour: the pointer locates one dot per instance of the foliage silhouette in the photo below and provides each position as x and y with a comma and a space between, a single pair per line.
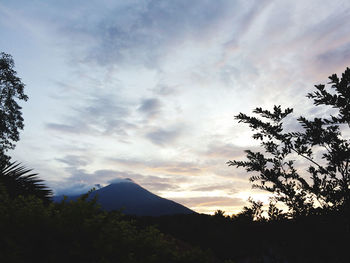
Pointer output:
274, 213
220, 213
78, 231
19, 181
11, 120
328, 188
252, 213
255, 212
308, 239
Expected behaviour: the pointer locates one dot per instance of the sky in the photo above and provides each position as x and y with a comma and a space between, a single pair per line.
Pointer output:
148, 90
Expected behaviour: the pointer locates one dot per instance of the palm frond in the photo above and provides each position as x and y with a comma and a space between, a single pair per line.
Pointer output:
18, 180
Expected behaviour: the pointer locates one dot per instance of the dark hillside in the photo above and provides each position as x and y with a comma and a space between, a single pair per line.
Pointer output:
132, 199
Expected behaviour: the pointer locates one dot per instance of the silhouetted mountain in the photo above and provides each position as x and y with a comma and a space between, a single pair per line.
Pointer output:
134, 200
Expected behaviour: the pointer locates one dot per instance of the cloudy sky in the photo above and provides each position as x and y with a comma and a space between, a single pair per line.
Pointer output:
147, 89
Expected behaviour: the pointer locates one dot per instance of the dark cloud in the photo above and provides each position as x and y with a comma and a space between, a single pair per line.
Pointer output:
163, 137
150, 107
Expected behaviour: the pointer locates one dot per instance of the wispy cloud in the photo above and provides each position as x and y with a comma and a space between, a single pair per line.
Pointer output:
161, 166
145, 32
338, 57
213, 201
97, 113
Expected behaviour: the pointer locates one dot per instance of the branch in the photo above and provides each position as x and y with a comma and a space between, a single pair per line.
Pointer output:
309, 159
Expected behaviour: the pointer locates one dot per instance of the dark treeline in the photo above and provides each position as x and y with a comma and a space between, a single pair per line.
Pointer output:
78, 231
32, 230
309, 239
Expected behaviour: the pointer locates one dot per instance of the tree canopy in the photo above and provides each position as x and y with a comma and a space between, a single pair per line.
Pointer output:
11, 90
327, 188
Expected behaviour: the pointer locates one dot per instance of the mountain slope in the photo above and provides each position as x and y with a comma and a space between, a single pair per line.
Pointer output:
133, 200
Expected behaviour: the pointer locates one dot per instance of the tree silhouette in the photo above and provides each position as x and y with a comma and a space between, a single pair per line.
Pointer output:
219, 213
11, 120
252, 212
17, 180
328, 187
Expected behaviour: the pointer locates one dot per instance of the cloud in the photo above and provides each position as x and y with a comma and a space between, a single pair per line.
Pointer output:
79, 179
144, 32
74, 160
71, 189
104, 114
162, 137
183, 170
66, 128
329, 29
121, 180
316, 39
160, 187
161, 166
218, 149
150, 107
338, 57
216, 201
165, 90
100, 112
212, 187
245, 21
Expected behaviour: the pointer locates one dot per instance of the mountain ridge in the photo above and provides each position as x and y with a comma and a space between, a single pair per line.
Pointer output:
132, 199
